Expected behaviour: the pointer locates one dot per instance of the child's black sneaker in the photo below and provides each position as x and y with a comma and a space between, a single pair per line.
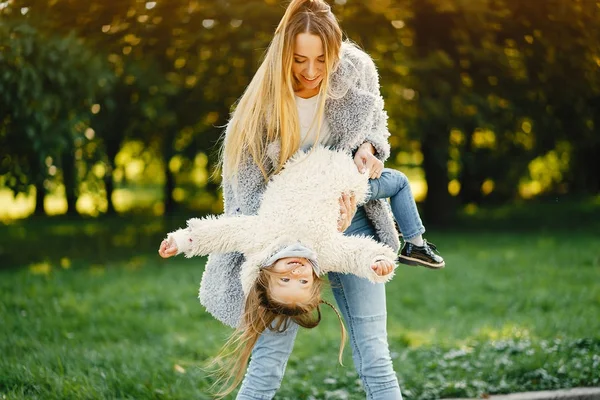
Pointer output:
424, 256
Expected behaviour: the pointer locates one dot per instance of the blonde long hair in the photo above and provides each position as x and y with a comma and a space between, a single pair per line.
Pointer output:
262, 312
267, 109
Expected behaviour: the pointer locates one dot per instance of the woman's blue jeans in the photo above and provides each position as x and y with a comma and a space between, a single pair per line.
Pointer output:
363, 307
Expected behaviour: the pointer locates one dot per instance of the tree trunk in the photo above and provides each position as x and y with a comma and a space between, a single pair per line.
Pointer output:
40, 195
595, 147
470, 179
109, 188
169, 203
70, 182
112, 148
583, 167
439, 206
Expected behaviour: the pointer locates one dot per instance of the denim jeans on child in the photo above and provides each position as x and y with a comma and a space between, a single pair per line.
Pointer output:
394, 184
363, 307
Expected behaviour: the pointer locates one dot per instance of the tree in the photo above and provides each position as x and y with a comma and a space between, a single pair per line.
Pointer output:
47, 86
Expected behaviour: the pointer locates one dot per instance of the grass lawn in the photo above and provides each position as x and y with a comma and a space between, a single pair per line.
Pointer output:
89, 311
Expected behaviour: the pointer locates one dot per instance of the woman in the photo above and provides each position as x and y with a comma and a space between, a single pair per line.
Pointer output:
311, 88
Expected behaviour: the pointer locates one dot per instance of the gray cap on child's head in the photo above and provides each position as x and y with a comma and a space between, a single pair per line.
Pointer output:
294, 250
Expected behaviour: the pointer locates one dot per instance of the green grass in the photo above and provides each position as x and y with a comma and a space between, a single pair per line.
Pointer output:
515, 309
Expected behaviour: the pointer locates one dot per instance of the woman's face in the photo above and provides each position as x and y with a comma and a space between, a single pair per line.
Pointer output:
308, 67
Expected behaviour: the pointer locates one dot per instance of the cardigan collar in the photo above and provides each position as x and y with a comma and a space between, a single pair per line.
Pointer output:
344, 76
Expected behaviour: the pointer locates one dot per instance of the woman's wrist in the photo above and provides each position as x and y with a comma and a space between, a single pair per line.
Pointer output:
368, 146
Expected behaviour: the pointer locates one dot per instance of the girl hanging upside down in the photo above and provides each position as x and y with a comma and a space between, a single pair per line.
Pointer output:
294, 239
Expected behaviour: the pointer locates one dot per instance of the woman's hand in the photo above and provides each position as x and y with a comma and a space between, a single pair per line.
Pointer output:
366, 161
167, 249
347, 211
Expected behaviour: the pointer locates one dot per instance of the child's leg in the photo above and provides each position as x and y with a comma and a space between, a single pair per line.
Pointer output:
394, 184
416, 251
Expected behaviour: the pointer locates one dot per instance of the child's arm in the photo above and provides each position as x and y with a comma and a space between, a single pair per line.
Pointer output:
356, 255
222, 234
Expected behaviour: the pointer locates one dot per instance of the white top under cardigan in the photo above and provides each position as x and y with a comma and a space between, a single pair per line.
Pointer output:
307, 110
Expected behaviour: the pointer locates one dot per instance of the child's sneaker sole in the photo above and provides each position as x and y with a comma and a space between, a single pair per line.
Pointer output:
421, 256
414, 262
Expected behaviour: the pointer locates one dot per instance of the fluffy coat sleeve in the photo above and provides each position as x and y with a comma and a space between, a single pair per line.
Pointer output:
214, 234
378, 133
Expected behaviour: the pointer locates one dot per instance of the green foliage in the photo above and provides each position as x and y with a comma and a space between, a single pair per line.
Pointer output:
501, 66
47, 86
477, 89
169, 61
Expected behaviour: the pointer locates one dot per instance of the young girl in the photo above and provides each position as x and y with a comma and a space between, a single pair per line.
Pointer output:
298, 218
294, 238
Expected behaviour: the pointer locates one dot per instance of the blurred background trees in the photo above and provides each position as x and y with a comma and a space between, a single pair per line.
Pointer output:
110, 106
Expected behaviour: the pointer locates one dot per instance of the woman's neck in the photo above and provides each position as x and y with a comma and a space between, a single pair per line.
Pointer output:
307, 93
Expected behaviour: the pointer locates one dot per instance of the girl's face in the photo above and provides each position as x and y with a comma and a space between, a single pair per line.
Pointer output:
295, 282
308, 67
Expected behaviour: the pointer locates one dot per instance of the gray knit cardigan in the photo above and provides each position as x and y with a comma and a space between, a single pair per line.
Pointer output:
354, 111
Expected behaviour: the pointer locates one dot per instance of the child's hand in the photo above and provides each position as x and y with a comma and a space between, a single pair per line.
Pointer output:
167, 249
382, 267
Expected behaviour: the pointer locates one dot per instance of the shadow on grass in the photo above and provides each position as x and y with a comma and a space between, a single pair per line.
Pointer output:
64, 240
562, 214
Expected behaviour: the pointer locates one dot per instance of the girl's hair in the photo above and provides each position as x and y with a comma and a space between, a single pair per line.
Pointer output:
262, 312
267, 109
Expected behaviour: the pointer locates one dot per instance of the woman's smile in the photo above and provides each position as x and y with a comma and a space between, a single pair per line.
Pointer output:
309, 79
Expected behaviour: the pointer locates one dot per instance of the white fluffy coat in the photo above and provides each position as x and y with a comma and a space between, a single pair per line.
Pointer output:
300, 204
